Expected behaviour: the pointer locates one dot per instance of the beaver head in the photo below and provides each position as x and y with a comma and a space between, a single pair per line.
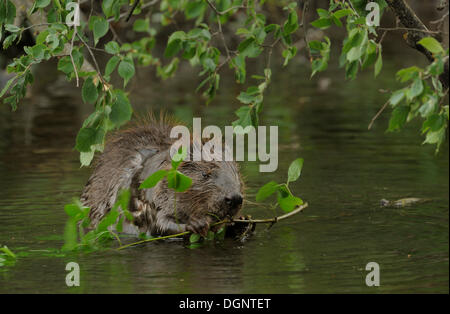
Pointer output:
216, 190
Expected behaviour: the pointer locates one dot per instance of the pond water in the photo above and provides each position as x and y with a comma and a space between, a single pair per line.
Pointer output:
325, 249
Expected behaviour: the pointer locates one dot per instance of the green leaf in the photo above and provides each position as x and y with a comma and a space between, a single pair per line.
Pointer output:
152, 180
245, 117
437, 67
220, 234
287, 201
89, 91
183, 182
121, 110
112, 47
322, 23
12, 28
433, 123
351, 69
288, 54
86, 158
42, 3
173, 48
397, 97
126, 70
429, 106
341, 13
7, 85
70, 235
243, 46
416, 89
7, 12
85, 138
336, 21
322, 12
295, 169
8, 252
141, 25
100, 28
315, 45
407, 74
370, 54
431, 45
194, 8
266, 190
194, 238
435, 137
72, 210
111, 65
178, 157
111, 7
291, 25
398, 118
354, 54
378, 63
108, 220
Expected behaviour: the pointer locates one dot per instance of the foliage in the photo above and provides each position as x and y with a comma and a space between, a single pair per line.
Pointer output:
198, 45
111, 105
285, 199
361, 50
75, 237
420, 98
204, 46
7, 257
175, 179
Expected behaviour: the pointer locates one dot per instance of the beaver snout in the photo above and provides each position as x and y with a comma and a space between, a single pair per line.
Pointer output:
233, 203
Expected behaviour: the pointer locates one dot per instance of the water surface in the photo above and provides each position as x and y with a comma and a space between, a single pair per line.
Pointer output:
347, 170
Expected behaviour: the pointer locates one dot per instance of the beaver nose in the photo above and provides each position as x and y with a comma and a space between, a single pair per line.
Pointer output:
234, 201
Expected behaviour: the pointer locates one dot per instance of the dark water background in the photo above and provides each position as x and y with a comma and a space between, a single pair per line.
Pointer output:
347, 170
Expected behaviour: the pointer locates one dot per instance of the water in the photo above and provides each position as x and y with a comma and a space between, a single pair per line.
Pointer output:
347, 171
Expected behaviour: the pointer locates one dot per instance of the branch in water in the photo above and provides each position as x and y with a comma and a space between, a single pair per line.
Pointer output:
268, 220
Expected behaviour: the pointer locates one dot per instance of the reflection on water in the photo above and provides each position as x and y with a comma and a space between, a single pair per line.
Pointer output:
347, 171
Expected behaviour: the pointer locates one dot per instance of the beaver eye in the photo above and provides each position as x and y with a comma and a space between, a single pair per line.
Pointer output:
206, 175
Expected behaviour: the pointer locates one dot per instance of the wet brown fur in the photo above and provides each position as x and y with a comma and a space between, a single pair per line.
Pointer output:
142, 148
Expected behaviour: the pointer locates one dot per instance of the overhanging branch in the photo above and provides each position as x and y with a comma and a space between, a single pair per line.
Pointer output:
416, 31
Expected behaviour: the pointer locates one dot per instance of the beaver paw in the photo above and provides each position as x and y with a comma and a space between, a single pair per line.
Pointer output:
199, 226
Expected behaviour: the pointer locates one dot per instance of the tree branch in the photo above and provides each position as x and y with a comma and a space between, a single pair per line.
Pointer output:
416, 31
249, 221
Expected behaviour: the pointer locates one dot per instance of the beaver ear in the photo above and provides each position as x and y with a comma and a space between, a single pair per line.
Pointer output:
147, 152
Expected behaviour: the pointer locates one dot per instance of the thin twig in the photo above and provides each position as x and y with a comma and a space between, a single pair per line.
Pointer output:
113, 19
269, 54
225, 11
408, 29
440, 20
71, 56
36, 25
93, 59
135, 4
275, 219
115, 36
223, 37
304, 13
377, 115
351, 6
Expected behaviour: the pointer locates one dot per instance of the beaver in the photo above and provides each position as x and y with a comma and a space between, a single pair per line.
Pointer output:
131, 155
